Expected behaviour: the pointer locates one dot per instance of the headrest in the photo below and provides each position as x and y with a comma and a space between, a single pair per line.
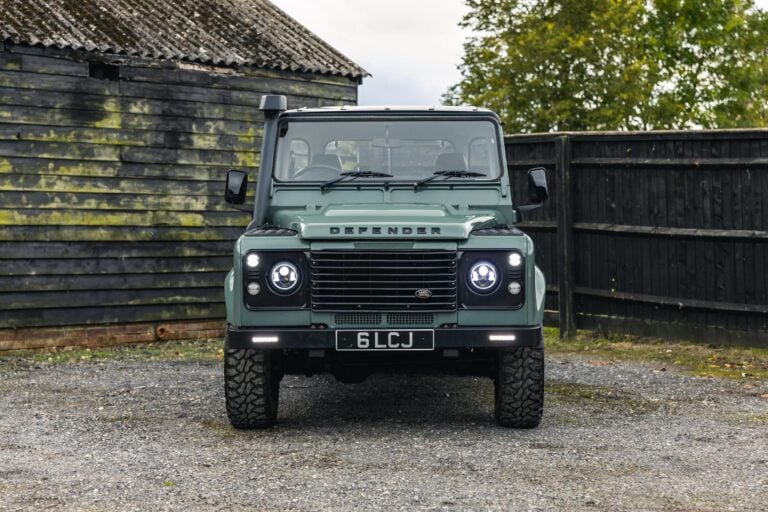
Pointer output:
450, 162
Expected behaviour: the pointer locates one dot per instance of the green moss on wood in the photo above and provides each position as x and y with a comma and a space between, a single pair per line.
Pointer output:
74, 184
12, 217
80, 201
134, 107
10, 63
105, 234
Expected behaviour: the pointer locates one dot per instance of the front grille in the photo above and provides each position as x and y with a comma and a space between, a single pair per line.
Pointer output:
410, 318
383, 280
357, 318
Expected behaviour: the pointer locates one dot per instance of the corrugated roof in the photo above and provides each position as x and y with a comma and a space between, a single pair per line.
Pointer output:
220, 32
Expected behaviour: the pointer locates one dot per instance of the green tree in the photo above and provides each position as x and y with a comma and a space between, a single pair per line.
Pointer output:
616, 64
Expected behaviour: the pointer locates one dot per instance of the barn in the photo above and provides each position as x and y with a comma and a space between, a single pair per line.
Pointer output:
118, 121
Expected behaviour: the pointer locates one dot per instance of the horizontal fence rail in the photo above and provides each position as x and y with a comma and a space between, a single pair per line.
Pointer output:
654, 233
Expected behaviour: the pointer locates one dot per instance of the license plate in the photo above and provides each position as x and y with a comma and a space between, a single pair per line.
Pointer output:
416, 339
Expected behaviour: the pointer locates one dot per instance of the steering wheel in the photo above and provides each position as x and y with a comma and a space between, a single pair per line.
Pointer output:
329, 171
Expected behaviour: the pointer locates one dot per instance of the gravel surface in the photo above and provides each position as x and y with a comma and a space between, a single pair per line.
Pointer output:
129, 435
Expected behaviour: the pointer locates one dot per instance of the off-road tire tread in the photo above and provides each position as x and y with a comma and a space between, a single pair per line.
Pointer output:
250, 388
520, 387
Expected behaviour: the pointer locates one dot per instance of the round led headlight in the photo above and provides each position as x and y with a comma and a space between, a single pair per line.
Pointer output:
515, 259
284, 277
252, 260
483, 277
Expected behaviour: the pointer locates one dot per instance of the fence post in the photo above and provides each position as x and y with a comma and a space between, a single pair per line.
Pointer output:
566, 259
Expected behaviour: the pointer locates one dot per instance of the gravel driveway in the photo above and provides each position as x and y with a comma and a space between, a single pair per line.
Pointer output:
128, 435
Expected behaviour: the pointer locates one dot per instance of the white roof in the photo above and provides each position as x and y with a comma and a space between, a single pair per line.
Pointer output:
391, 108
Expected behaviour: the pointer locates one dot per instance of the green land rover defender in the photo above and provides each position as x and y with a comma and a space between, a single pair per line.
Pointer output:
383, 239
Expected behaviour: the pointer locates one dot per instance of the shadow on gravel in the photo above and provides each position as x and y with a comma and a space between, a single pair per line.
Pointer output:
387, 402
439, 400
386, 398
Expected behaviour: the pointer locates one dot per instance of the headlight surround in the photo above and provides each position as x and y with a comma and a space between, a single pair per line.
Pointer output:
284, 277
477, 290
483, 277
289, 290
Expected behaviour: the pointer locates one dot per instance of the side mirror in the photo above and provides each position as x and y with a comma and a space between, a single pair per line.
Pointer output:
538, 192
237, 183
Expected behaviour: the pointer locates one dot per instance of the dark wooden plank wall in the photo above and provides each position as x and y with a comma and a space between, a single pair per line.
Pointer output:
670, 230
112, 207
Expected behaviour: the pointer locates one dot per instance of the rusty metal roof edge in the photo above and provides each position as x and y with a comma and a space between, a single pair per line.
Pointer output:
253, 33
359, 72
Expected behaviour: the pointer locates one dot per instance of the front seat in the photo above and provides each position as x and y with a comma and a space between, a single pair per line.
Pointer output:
329, 160
450, 162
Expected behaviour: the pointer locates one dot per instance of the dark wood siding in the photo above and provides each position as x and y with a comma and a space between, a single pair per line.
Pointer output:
112, 190
669, 230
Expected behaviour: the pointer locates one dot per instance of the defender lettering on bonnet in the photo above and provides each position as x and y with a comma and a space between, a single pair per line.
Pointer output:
378, 230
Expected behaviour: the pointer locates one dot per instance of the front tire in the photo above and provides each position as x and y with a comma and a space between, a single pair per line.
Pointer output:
519, 383
251, 387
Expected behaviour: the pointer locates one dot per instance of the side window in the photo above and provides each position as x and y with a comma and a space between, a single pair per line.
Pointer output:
480, 155
298, 155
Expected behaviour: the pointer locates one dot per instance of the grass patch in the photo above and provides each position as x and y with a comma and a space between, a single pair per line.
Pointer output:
222, 428
749, 419
738, 363
601, 396
201, 350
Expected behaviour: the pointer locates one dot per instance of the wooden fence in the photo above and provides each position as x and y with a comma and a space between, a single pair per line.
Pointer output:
654, 233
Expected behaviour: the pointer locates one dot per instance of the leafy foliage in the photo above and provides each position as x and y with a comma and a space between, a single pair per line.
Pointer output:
616, 64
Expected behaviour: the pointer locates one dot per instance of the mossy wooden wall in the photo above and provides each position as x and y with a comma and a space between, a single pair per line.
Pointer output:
112, 190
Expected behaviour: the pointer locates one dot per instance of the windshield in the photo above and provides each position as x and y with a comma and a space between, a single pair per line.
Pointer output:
407, 150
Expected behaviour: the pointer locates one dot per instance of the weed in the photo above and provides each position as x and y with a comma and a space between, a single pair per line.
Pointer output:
219, 427
202, 350
601, 396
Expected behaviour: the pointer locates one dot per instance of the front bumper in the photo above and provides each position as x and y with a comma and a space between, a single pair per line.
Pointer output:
291, 338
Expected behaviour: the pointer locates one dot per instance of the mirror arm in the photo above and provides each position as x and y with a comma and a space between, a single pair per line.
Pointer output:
529, 207
521, 210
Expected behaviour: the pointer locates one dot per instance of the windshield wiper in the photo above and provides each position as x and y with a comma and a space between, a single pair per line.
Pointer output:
448, 174
354, 175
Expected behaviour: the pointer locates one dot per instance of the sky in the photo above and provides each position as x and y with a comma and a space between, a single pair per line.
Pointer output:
411, 47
